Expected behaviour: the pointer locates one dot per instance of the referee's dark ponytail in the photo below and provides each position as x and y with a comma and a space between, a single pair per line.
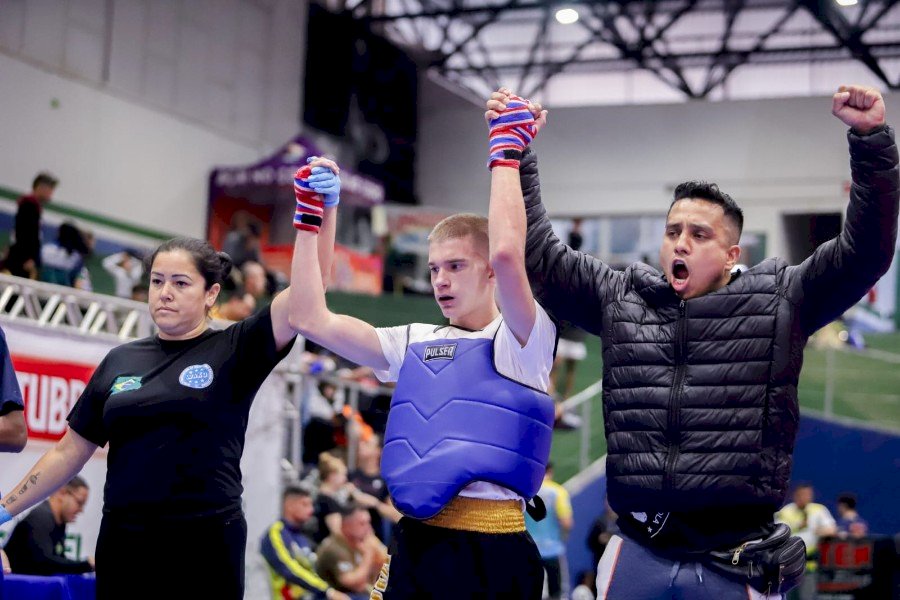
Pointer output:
226, 265
213, 266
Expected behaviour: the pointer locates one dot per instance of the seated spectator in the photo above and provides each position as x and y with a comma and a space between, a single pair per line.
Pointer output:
256, 284
319, 432
38, 543
351, 559
334, 495
289, 552
140, 292
126, 270
63, 260
849, 523
232, 304
367, 479
233, 308
242, 241
587, 586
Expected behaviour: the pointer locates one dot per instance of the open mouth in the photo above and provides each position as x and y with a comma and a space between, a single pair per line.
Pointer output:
445, 298
680, 271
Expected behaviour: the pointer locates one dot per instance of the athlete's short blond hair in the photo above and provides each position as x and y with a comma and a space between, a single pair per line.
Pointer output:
460, 226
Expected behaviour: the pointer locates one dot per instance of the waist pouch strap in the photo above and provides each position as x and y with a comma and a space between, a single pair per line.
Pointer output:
774, 564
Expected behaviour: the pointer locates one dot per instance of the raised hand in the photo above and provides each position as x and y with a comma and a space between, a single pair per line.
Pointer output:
859, 107
310, 203
513, 122
497, 103
325, 179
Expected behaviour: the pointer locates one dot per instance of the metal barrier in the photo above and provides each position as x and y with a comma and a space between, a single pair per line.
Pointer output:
64, 308
584, 399
300, 386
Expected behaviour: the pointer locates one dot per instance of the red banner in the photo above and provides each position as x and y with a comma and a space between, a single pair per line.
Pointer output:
50, 389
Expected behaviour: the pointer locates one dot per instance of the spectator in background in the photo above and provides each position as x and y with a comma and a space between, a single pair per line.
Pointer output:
37, 545
140, 292
233, 308
551, 532
602, 531
63, 260
811, 522
289, 553
849, 523
13, 433
587, 586
319, 430
126, 270
570, 350
333, 495
83, 279
367, 479
245, 294
351, 559
576, 240
242, 242
24, 258
255, 284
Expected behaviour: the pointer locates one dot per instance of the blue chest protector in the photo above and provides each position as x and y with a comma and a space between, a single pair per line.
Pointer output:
454, 420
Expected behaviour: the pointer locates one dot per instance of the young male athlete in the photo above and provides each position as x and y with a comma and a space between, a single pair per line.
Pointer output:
469, 431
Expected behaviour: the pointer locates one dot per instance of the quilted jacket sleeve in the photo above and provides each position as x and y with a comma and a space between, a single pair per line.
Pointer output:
842, 270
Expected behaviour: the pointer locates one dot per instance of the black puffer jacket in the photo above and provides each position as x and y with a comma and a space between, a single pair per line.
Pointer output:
700, 396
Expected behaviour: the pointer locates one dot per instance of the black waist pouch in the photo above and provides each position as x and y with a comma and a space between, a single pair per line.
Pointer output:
774, 564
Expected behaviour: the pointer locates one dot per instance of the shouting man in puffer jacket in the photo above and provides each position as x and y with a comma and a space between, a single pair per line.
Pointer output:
700, 369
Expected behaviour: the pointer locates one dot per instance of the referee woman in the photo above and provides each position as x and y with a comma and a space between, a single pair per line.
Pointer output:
173, 408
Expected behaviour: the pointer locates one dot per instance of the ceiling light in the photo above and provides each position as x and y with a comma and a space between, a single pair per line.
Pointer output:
846, 2
567, 16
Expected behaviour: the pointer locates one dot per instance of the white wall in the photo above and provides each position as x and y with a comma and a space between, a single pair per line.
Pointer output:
131, 109
773, 156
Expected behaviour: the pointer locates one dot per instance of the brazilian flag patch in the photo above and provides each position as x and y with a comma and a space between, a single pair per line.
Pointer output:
125, 384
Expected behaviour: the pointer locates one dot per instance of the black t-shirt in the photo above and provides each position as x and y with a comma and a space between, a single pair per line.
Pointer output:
175, 414
373, 485
37, 546
325, 505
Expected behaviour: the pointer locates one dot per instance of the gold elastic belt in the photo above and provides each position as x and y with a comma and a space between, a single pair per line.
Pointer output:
480, 516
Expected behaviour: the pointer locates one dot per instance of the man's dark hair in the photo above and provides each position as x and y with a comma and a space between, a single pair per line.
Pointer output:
352, 507
76, 483
294, 489
44, 178
847, 499
710, 192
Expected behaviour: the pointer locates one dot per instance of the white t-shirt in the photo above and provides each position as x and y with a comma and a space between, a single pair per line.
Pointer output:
529, 364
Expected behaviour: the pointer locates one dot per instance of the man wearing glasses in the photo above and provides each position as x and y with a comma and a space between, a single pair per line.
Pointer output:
37, 545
